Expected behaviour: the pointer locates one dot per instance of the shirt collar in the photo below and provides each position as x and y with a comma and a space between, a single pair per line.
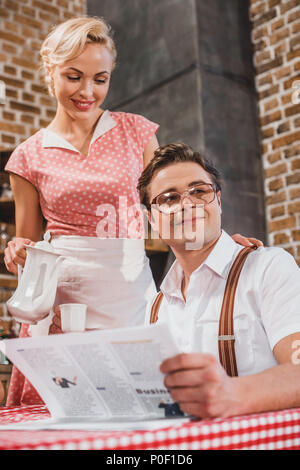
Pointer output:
171, 285
104, 124
219, 260
222, 255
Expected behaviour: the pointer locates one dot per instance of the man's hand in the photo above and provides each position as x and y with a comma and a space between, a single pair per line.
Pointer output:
201, 387
55, 327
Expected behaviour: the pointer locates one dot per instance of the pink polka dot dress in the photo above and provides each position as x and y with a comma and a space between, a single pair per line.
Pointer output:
89, 204
72, 186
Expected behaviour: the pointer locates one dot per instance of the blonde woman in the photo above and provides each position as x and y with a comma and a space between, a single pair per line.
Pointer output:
71, 172
80, 174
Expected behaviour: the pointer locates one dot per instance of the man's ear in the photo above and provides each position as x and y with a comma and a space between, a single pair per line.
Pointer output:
147, 214
153, 217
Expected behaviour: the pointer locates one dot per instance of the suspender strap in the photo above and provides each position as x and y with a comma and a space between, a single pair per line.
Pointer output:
155, 308
226, 329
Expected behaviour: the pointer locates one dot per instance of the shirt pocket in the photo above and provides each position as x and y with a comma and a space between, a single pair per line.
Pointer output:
206, 341
244, 344
206, 337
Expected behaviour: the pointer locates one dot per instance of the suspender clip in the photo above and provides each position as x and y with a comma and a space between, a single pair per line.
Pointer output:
226, 338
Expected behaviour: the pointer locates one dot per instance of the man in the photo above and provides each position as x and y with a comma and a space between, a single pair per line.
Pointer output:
266, 315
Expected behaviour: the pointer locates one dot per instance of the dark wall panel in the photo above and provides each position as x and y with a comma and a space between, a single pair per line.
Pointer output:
230, 116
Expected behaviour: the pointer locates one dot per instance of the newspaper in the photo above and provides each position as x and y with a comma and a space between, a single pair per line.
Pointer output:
103, 376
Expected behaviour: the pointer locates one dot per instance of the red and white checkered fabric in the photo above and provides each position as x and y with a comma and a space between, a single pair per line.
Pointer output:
268, 431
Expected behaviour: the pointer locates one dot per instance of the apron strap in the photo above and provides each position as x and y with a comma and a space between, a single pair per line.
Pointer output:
226, 330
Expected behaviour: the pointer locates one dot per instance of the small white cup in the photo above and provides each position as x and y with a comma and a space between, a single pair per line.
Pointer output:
73, 317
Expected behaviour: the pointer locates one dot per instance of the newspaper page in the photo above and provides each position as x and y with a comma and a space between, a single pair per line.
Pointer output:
107, 375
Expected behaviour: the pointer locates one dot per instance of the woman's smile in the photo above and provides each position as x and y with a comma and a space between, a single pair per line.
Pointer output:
83, 105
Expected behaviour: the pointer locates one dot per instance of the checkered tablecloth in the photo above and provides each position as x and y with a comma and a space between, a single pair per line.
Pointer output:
268, 431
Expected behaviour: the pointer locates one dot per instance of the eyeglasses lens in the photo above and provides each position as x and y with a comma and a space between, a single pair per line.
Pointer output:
171, 202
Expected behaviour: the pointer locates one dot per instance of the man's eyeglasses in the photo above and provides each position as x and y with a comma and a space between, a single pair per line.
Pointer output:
202, 193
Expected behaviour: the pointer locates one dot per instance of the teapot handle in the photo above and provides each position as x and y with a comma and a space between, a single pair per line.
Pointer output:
60, 259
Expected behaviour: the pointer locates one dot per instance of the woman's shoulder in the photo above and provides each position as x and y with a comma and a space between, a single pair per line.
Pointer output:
133, 121
32, 141
123, 116
22, 158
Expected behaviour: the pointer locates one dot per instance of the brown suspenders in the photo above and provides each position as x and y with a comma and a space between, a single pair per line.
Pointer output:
226, 329
155, 308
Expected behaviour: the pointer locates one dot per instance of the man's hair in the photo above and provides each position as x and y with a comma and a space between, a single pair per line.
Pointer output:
169, 154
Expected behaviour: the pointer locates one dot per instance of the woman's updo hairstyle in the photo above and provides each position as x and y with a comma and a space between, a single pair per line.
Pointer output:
67, 40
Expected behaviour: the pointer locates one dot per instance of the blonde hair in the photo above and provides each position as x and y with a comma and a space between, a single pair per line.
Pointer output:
68, 39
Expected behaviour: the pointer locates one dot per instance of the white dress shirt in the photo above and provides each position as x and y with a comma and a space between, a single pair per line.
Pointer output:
267, 304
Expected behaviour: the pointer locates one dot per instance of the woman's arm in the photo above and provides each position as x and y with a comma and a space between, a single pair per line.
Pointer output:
28, 219
149, 150
28, 215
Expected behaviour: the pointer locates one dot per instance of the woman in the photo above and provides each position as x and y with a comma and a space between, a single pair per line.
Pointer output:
84, 165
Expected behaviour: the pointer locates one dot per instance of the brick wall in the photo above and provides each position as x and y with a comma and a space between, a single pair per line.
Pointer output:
23, 26
276, 41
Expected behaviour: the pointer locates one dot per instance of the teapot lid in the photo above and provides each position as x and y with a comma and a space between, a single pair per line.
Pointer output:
45, 244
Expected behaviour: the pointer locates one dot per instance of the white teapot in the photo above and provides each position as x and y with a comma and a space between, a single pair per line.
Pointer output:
37, 284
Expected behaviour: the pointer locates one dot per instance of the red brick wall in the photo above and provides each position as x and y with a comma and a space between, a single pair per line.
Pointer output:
276, 41
23, 26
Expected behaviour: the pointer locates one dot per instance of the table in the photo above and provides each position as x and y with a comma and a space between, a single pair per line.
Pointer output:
267, 431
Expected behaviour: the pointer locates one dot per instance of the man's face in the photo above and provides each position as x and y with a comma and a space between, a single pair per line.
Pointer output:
195, 224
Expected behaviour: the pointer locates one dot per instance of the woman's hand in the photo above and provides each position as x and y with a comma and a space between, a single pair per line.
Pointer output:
55, 327
241, 240
15, 253
29, 222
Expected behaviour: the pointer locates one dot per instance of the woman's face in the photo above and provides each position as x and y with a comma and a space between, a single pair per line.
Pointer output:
81, 84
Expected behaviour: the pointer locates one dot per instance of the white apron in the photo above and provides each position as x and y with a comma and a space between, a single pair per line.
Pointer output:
111, 276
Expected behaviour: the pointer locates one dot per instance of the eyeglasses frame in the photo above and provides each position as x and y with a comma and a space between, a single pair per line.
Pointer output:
187, 191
